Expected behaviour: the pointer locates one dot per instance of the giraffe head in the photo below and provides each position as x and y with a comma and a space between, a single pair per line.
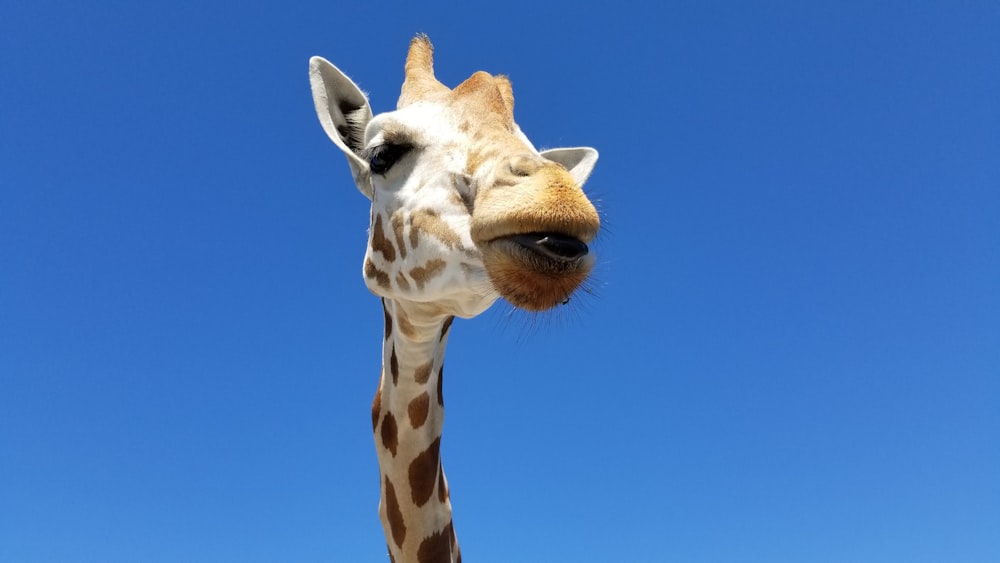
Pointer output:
464, 208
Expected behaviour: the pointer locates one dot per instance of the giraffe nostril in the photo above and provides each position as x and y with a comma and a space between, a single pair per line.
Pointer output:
556, 246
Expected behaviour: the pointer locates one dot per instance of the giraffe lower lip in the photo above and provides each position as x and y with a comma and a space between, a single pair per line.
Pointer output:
555, 246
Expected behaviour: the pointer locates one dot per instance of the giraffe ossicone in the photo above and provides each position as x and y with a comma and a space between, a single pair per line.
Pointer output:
464, 210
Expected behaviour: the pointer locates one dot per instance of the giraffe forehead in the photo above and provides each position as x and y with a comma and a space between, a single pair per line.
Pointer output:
479, 108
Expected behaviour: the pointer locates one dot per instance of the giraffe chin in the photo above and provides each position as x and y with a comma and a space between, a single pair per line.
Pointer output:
529, 279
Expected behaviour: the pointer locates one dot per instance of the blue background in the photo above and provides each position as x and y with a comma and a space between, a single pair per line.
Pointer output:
791, 350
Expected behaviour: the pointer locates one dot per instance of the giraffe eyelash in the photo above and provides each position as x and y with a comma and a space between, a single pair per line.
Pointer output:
381, 158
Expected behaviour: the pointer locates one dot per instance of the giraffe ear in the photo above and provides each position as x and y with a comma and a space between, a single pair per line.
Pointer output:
344, 113
579, 161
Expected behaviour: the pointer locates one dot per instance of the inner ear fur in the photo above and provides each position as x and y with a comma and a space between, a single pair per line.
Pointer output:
344, 112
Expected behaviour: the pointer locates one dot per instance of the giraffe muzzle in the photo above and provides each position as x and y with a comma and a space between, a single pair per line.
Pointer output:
554, 246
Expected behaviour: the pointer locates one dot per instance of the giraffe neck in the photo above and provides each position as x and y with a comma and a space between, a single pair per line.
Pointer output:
407, 418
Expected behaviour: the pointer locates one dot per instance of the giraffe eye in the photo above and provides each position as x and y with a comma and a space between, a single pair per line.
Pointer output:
381, 158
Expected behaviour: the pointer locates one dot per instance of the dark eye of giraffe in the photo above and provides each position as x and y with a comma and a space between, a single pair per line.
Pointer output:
381, 158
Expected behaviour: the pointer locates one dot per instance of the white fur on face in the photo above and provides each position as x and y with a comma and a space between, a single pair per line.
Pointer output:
422, 204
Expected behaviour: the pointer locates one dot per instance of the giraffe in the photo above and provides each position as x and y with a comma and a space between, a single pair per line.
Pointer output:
464, 210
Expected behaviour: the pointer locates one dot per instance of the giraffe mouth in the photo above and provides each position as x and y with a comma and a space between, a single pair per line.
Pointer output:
536, 271
553, 246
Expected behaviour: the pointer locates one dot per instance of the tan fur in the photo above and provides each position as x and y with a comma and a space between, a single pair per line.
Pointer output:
380, 243
428, 221
398, 224
420, 81
401, 282
373, 273
422, 274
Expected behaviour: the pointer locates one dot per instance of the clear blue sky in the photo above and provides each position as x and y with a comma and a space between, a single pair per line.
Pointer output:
792, 353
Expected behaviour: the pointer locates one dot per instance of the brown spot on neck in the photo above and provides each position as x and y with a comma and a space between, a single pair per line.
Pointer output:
423, 473
376, 407
394, 515
447, 325
437, 547
423, 373
440, 386
390, 433
394, 366
418, 409
388, 320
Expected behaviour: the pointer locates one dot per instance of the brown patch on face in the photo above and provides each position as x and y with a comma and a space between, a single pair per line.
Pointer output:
429, 270
423, 373
395, 516
447, 325
380, 243
418, 409
398, 223
376, 407
423, 473
414, 237
373, 273
401, 282
430, 222
441, 386
390, 434
394, 366
436, 548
